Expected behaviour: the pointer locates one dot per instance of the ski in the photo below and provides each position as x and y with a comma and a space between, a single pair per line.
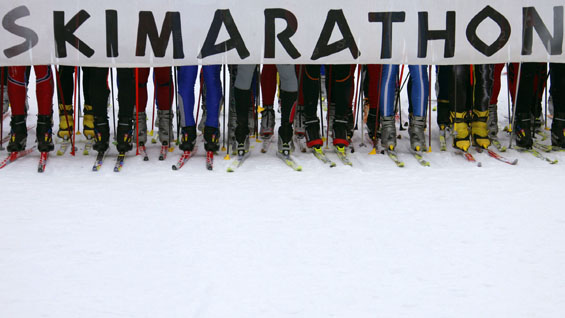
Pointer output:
13, 156
300, 140
266, 143
342, 155
394, 157
87, 147
183, 159
64, 146
542, 147
469, 157
42, 162
443, 140
289, 161
544, 135
237, 162
319, 153
210, 160
120, 162
99, 161
143, 153
418, 156
163, 152
498, 157
537, 154
498, 145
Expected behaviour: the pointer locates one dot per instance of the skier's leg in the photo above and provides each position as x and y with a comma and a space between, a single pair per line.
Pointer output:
213, 99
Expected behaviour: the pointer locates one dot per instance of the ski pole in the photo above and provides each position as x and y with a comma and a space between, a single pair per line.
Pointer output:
177, 105
137, 111
321, 107
362, 108
2, 107
79, 106
74, 110
154, 104
328, 112
227, 157
113, 106
355, 101
508, 95
199, 94
429, 108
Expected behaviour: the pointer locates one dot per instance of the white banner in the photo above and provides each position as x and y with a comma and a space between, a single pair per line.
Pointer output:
127, 33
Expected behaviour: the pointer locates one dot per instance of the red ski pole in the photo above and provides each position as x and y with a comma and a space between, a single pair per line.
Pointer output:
2, 107
137, 111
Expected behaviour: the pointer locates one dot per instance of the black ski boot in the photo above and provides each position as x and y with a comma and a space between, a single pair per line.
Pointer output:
372, 123
558, 131
211, 138
285, 144
44, 133
102, 134
339, 131
523, 131
313, 132
18, 133
187, 138
242, 139
123, 135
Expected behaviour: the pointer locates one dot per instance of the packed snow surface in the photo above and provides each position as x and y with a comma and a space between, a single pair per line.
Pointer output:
372, 240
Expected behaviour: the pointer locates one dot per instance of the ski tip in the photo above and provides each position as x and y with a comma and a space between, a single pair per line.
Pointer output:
174, 168
479, 164
299, 168
145, 158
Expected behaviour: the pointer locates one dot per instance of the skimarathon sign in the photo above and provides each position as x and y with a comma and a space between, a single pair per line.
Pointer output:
126, 33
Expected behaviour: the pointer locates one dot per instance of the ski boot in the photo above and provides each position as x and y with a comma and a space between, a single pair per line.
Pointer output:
88, 123
416, 131
44, 133
124, 135
202, 123
372, 123
187, 138
479, 129
492, 121
312, 131
211, 138
339, 131
102, 134
285, 144
66, 122
267, 122
388, 133
142, 128
523, 131
165, 125
460, 131
558, 131
18, 134
299, 126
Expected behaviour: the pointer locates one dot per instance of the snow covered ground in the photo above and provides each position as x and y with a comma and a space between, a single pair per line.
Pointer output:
372, 240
